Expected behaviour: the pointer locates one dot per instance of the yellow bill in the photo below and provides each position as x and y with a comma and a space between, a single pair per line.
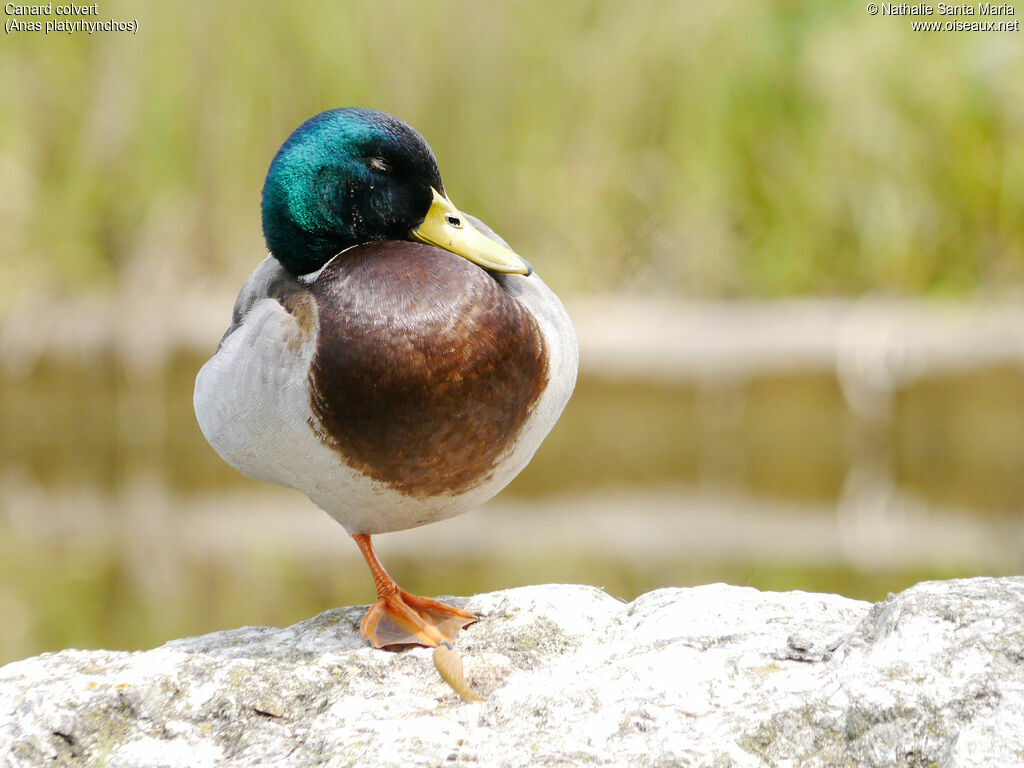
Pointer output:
445, 226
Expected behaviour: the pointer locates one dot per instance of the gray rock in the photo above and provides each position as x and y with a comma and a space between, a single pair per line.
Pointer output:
713, 676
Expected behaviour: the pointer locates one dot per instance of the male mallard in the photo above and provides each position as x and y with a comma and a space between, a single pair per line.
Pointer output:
392, 357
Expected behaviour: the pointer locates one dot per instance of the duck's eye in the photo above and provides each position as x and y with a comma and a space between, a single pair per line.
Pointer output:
380, 164
453, 220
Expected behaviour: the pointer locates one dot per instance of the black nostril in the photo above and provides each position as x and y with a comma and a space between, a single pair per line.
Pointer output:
453, 220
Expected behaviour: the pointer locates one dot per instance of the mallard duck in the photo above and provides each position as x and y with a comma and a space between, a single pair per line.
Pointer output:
392, 358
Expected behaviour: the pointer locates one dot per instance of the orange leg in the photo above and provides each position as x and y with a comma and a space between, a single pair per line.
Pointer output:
399, 618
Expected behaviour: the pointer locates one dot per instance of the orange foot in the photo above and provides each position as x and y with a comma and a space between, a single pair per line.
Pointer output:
399, 618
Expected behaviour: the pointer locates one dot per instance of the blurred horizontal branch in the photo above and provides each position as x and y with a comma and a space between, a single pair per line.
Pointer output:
873, 343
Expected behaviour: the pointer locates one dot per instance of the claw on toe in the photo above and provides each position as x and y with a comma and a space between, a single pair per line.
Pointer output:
401, 618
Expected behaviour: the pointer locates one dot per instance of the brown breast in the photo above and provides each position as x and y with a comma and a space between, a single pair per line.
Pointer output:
425, 370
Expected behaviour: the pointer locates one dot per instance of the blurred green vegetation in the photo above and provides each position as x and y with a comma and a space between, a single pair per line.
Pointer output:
705, 148
711, 149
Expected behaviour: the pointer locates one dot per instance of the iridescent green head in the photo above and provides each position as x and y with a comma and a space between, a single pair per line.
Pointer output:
353, 175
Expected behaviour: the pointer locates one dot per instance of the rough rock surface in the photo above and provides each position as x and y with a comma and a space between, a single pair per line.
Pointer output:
711, 676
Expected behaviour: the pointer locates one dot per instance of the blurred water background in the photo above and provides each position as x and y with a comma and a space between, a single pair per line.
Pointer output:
791, 235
